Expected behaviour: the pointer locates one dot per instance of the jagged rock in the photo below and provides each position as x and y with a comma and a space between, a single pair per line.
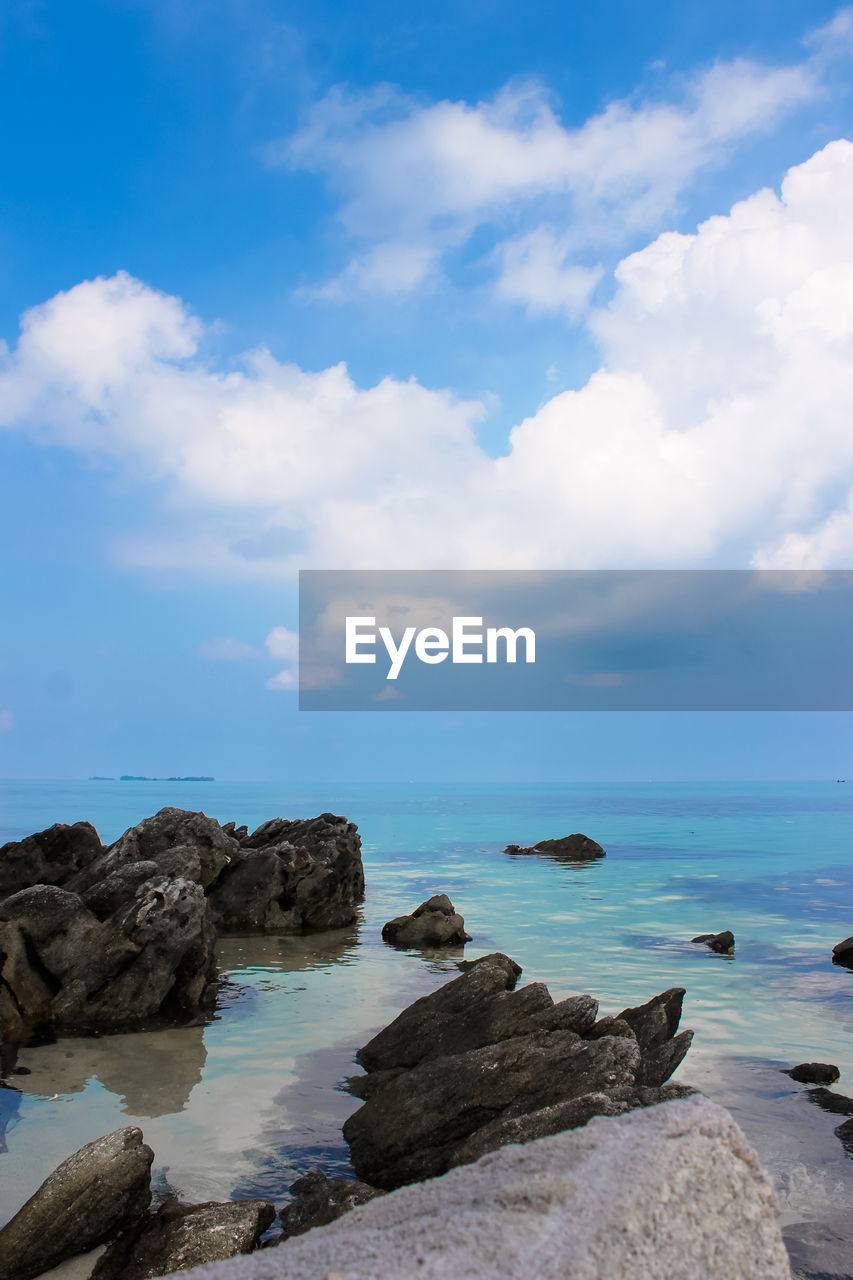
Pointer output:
435, 923
835, 1103
842, 953
673, 1191
574, 848
96, 1192
48, 857
320, 1200
845, 1133
180, 1236
655, 1025
814, 1073
477, 1064
106, 939
724, 942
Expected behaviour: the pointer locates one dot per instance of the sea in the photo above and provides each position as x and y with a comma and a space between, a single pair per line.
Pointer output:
246, 1104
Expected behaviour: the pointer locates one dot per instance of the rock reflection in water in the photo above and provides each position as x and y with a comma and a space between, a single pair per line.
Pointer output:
288, 954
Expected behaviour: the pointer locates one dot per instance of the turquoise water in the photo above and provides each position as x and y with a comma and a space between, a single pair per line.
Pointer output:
244, 1105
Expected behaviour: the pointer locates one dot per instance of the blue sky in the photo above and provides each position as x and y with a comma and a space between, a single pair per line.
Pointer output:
540, 286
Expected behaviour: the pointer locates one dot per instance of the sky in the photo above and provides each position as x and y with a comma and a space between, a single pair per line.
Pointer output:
478, 286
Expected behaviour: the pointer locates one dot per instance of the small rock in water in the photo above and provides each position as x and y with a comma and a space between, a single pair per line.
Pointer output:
724, 942
814, 1073
842, 953
835, 1103
435, 923
320, 1200
573, 848
845, 1133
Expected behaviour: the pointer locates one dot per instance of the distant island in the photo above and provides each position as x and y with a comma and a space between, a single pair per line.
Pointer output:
132, 777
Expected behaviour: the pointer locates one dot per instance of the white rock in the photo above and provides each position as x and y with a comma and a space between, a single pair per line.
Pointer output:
673, 1192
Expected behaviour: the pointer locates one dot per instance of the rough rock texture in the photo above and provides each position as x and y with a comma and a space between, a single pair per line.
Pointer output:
435, 923
671, 1193
320, 1200
96, 1192
107, 939
814, 1073
835, 1104
842, 953
178, 1236
477, 1064
574, 848
724, 942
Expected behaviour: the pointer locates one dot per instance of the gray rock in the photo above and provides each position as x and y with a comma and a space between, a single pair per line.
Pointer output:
814, 1073
723, 943
835, 1104
674, 1191
180, 1236
435, 923
96, 1192
319, 1200
842, 953
655, 1025
47, 857
157, 837
573, 848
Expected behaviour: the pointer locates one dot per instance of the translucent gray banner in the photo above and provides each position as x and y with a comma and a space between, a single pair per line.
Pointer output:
634, 640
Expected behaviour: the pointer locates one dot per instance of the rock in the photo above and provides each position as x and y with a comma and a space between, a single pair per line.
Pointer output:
180, 1236
320, 1200
477, 1064
834, 1103
48, 857
435, 923
574, 848
123, 937
814, 1073
673, 1191
655, 1025
845, 1133
723, 942
97, 1191
842, 953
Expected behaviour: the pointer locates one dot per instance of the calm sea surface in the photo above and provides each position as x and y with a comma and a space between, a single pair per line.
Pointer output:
246, 1104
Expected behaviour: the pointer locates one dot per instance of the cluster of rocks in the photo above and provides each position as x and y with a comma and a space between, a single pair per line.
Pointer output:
101, 1195
573, 848
96, 938
823, 1074
477, 1064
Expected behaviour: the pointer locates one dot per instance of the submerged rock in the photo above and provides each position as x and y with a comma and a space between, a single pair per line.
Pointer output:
117, 938
673, 1191
319, 1200
574, 848
814, 1073
723, 943
435, 923
179, 1236
96, 1192
476, 1064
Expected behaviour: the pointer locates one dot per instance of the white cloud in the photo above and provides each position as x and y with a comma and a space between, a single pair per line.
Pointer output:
536, 273
283, 644
716, 431
227, 649
285, 679
7, 721
416, 180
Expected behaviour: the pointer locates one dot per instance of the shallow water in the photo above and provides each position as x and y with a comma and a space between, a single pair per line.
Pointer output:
244, 1105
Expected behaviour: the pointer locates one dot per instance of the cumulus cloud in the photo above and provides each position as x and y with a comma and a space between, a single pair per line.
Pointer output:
283, 645
414, 180
715, 432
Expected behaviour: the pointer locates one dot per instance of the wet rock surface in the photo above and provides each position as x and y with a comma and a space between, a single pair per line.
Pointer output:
477, 1064
723, 943
814, 1073
842, 953
122, 937
179, 1236
319, 1200
573, 848
97, 1191
435, 923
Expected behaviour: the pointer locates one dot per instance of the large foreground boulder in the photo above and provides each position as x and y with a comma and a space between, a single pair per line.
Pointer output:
477, 1064
672, 1191
96, 938
435, 923
573, 848
97, 1191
